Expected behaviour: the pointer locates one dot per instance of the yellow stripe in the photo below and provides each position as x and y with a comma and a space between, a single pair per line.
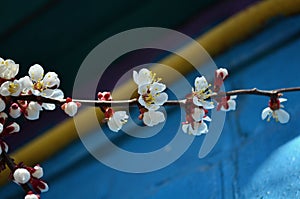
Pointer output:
215, 41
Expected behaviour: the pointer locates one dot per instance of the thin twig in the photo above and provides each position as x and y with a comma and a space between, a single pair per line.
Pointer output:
12, 167
134, 101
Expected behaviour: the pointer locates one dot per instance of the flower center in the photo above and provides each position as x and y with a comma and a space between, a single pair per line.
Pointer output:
12, 88
203, 94
274, 104
39, 86
148, 98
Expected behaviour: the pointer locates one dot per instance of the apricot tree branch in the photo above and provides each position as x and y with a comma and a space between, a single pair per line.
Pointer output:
254, 91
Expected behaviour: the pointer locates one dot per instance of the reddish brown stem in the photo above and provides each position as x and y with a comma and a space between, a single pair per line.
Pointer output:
134, 101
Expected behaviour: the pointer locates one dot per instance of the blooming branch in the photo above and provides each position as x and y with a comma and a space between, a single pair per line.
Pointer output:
36, 92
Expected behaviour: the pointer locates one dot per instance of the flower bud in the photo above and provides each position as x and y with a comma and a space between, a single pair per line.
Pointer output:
21, 175
71, 108
38, 173
31, 195
15, 110
2, 105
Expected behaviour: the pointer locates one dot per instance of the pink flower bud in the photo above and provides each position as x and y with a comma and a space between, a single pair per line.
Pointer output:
31, 195
13, 128
38, 173
15, 110
104, 96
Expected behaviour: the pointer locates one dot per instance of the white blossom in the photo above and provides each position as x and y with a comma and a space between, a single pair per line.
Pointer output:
41, 85
117, 120
222, 73
8, 69
144, 76
32, 111
227, 103
275, 110
21, 175
11, 88
198, 126
31, 196
70, 108
152, 118
151, 95
38, 173
202, 93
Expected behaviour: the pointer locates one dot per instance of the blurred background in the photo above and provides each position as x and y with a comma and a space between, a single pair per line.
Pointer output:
258, 41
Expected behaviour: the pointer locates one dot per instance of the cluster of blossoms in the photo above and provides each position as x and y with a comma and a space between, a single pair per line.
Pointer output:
115, 119
199, 102
24, 175
151, 96
13, 104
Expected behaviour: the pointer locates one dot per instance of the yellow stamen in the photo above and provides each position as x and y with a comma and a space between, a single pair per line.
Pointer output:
39, 86
12, 88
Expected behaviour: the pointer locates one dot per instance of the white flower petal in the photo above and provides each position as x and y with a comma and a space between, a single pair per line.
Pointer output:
21, 175
160, 98
143, 77
141, 101
14, 128
143, 89
38, 172
1, 129
71, 108
10, 72
185, 127
44, 189
198, 114
36, 72
112, 125
33, 111
206, 118
51, 80
118, 119
48, 106
36, 92
152, 118
26, 83
57, 94
47, 93
15, 111
231, 105
2, 105
201, 83
157, 87
152, 107
208, 105
31, 196
283, 116
4, 89
282, 100
267, 111
202, 129
222, 71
